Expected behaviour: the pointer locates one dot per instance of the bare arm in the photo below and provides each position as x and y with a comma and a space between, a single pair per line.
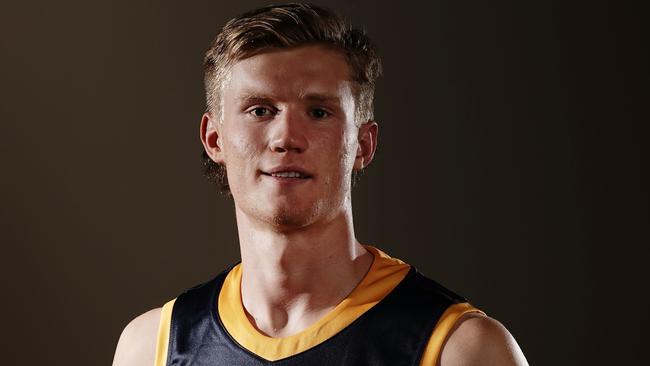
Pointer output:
137, 344
480, 340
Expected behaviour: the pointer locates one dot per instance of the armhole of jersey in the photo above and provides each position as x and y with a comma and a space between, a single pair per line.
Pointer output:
162, 343
442, 329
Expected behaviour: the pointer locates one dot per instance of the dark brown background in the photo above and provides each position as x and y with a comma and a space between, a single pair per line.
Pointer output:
509, 167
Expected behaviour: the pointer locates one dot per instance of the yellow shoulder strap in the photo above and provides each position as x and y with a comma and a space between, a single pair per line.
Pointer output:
163, 334
430, 357
442, 329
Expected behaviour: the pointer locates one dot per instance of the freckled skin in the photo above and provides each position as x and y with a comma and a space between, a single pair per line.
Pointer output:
290, 132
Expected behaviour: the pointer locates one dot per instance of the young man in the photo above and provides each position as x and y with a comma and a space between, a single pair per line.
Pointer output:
289, 122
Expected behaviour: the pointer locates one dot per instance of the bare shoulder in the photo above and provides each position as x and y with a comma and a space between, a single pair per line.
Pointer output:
137, 344
481, 340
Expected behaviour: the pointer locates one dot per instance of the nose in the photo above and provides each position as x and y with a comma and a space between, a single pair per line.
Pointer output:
288, 133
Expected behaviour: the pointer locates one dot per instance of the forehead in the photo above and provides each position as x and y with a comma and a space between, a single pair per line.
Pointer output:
312, 69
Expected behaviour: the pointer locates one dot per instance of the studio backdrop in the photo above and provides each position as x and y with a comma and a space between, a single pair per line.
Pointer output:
509, 167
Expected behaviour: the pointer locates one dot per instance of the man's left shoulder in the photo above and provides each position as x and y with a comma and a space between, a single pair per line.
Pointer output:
480, 340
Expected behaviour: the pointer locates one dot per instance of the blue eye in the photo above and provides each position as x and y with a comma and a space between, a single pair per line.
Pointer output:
261, 112
319, 113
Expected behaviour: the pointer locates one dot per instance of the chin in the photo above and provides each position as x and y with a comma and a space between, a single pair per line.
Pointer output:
286, 218
288, 221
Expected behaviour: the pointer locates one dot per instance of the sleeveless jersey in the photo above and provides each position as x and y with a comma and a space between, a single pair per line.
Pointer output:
405, 323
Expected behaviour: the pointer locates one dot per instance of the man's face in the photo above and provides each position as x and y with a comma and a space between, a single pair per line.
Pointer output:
288, 138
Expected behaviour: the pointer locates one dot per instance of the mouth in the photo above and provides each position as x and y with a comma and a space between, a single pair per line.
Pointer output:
288, 173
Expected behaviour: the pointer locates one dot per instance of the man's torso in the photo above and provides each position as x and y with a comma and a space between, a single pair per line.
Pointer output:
394, 316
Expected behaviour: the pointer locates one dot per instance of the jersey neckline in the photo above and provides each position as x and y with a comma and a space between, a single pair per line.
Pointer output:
384, 275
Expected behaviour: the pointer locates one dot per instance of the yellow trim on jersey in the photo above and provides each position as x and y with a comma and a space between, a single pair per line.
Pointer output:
385, 273
440, 333
163, 334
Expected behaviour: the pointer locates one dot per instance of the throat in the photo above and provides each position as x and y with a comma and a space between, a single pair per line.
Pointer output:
281, 324
278, 304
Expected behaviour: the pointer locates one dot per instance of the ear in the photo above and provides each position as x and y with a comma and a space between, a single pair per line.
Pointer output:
210, 138
367, 145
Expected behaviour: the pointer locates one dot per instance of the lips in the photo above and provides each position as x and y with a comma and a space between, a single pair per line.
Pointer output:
293, 172
288, 175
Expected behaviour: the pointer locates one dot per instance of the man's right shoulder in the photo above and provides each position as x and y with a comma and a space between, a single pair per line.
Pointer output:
137, 344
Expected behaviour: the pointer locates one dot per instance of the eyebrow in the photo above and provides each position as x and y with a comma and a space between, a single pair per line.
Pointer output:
254, 98
315, 97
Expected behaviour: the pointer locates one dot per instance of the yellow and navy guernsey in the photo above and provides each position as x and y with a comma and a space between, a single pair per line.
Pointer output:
395, 316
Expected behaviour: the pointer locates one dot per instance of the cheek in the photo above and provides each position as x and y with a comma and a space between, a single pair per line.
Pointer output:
340, 151
349, 147
242, 147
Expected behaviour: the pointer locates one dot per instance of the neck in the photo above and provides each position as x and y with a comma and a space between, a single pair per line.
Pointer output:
291, 278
